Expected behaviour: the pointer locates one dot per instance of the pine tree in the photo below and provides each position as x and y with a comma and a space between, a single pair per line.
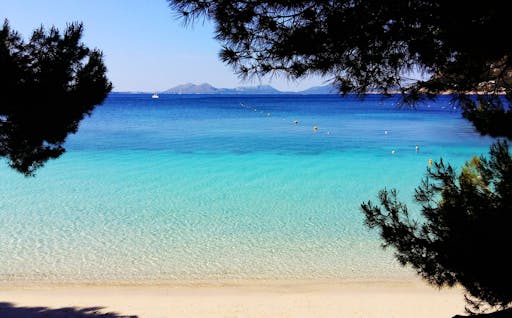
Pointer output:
47, 86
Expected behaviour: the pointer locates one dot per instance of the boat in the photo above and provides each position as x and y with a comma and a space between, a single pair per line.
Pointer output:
155, 95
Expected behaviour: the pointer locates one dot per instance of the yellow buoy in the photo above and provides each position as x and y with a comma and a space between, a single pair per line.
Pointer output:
429, 162
315, 128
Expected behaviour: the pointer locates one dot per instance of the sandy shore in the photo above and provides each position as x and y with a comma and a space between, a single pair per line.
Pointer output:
278, 299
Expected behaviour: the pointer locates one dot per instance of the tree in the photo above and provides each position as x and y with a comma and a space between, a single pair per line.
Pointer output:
374, 44
47, 86
362, 45
463, 234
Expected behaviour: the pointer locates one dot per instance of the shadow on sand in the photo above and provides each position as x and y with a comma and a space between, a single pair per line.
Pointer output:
507, 313
9, 310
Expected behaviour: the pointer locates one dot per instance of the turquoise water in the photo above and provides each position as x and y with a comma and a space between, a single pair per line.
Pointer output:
201, 188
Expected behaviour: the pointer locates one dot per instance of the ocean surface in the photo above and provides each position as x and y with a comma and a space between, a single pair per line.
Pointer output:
205, 187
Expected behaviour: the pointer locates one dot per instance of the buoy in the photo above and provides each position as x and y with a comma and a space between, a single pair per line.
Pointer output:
429, 162
417, 148
315, 128
295, 122
393, 151
385, 132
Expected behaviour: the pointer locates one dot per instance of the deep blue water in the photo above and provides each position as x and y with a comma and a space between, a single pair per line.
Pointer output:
192, 187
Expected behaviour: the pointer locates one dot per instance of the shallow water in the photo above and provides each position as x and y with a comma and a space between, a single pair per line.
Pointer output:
199, 187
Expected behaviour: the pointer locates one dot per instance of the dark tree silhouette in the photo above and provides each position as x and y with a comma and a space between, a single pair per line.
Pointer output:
374, 44
463, 234
9, 310
47, 86
459, 48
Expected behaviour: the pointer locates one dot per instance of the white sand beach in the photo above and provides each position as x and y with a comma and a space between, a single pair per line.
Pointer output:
277, 299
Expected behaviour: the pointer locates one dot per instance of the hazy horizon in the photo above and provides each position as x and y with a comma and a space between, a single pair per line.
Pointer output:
198, 83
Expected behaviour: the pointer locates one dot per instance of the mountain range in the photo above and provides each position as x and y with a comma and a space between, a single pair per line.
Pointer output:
206, 88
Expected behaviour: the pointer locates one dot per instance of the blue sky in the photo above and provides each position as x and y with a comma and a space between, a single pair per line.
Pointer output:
146, 47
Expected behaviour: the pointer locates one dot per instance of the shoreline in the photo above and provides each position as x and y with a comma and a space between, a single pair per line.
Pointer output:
200, 283
237, 299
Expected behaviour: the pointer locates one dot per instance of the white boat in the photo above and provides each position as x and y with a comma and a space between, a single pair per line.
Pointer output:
155, 95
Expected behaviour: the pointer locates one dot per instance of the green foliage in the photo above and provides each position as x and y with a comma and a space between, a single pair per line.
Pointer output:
464, 233
372, 44
47, 86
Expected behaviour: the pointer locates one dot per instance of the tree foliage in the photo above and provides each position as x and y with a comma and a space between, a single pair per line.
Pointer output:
463, 235
374, 44
47, 86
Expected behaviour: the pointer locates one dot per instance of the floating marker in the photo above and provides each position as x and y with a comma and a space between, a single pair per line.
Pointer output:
393, 151
315, 128
295, 122
429, 162
417, 148
385, 132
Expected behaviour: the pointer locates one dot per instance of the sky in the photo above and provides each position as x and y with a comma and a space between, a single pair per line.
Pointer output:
146, 47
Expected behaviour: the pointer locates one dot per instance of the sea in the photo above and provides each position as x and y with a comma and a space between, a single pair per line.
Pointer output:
224, 187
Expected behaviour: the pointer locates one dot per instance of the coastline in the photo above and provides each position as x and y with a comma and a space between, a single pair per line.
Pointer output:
236, 299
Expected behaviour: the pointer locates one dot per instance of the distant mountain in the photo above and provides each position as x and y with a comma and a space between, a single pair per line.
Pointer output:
260, 89
190, 88
206, 88
326, 89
